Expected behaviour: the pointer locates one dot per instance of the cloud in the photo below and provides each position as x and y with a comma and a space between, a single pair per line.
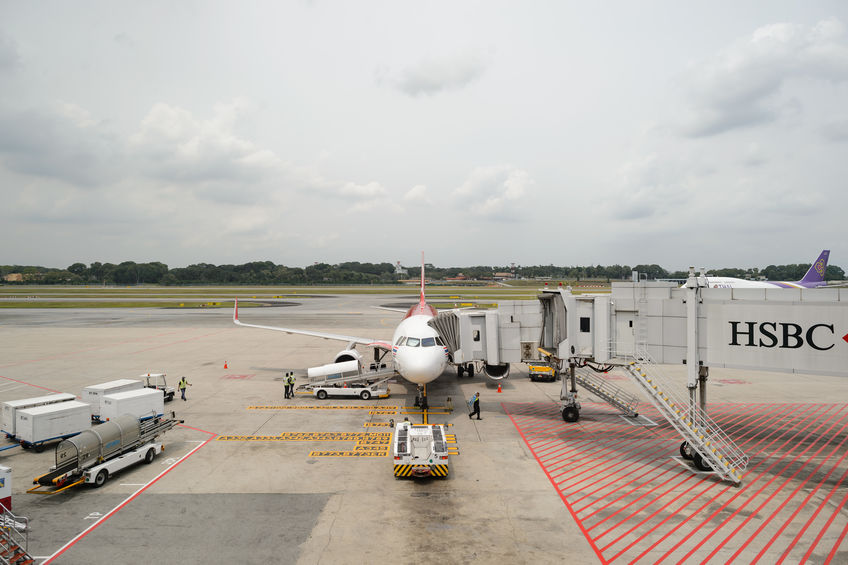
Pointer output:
63, 143
836, 130
437, 74
417, 193
175, 146
9, 57
489, 190
739, 87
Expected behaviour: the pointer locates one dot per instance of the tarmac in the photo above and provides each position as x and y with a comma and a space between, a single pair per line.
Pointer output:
243, 479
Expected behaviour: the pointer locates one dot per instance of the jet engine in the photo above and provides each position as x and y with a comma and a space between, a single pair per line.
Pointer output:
496, 372
348, 355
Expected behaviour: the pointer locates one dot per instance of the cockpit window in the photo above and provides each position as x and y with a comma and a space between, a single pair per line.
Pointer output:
400, 340
428, 342
439, 341
412, 342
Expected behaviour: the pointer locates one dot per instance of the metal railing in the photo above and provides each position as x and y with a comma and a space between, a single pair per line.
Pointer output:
701, 432
14, 538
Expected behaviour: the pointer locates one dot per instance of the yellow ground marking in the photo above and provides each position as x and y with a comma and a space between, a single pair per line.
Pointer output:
313, 436
283, 407
347, 454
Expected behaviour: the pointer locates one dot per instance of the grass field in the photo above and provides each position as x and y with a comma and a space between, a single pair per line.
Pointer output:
13, 296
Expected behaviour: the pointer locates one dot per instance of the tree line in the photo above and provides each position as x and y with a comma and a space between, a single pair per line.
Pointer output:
269, 273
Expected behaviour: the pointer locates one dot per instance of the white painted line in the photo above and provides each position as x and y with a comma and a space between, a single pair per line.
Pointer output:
119, 506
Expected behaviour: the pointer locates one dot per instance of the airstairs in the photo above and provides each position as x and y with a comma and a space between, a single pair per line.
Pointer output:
710, 444
14, 539
590, 380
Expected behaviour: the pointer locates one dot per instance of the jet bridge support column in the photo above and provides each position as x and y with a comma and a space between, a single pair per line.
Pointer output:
570, 406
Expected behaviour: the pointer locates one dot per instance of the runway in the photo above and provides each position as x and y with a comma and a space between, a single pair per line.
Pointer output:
525, 487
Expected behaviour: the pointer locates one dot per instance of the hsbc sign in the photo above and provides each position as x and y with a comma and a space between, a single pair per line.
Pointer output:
788, 336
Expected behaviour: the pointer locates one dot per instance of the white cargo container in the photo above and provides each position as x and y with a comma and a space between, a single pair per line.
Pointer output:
11, 408
94, 393
144, 403
34, 426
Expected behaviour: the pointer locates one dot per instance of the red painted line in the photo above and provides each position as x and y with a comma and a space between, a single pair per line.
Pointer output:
596, 456
811, 519
714, 531
747, 417
803, 503
112, 512
562, 497
773, 513
826, 527
650, 457
638, 487
695, 482
689, 476
809, 408
30, 384
675, 467
832, 553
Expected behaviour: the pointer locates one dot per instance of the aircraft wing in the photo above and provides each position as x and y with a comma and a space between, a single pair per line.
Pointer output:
351, 340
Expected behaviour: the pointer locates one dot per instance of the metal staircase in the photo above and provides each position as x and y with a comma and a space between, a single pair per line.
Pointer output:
701, 432
606, 391
14, 539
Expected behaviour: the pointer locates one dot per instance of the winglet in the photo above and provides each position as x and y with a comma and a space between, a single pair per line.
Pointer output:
816, 272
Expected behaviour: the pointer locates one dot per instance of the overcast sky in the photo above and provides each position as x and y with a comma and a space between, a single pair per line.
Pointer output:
710, 134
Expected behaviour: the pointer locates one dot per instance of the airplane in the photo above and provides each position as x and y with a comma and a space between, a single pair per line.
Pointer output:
813, 279
419, 354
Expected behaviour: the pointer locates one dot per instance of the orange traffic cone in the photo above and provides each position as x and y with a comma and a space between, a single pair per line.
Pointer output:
499, 387
225, 364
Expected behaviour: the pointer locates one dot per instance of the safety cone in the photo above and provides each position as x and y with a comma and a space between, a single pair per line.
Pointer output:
225, 364
499, 387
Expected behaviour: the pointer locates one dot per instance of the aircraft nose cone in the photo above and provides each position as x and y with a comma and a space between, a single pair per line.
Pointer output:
421, 366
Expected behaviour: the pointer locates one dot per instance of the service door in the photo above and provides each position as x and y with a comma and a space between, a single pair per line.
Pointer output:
625, 333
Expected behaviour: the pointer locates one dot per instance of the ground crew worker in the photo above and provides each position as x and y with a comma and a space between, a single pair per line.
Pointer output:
475, 402
286, 385
182, 386
290, 381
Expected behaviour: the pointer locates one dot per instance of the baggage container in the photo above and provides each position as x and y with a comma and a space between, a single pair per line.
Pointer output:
142, 404
11, 408
34, 426
94, 393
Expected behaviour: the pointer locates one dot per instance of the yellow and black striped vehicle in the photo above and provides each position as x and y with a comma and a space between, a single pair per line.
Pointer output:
420, 450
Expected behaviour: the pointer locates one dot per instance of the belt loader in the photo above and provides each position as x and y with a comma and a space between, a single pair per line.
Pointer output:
96, 454
420, 450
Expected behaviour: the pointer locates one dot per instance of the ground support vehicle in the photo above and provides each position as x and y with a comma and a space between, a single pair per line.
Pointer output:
420, 450
143, 403
542, 372
347, 378
94, 455
159, 381
93, 394
11, 408
36, 426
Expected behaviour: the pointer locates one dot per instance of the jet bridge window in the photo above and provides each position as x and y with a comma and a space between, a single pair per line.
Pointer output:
412, 342
475, 335
584, 324
428, 342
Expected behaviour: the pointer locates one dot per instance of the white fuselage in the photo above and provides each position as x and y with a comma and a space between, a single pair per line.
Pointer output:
417, 350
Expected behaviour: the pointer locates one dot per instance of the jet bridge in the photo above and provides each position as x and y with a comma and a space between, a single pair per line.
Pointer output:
641, 326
